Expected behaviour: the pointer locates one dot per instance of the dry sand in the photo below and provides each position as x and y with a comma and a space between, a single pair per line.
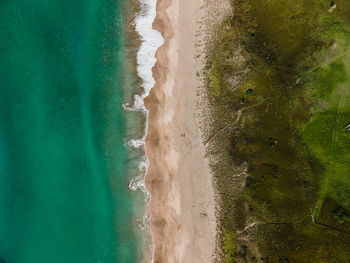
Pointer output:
182, 206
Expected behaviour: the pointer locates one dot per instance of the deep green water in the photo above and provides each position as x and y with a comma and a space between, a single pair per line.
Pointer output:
63, 189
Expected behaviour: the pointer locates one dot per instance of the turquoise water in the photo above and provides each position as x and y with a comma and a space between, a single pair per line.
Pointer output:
63, 185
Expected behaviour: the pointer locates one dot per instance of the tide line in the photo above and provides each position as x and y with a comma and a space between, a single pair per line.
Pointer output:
151, 40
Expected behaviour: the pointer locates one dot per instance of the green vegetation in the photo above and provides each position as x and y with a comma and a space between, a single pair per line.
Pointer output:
329, 141
229, 247
329, 78
289, 86
215, 83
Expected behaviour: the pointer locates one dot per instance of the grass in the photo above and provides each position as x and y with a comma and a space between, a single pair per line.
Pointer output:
326, 134
329, 141
215, 82
292, 134
229, 247
330, 77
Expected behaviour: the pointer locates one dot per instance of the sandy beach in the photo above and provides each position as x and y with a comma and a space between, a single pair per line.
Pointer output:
182, 206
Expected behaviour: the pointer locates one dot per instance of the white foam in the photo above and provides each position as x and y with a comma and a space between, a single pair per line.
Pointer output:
137, 143
138, 182
151, 40
138, 104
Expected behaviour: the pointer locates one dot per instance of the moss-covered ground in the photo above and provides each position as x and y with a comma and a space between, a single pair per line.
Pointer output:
278, 78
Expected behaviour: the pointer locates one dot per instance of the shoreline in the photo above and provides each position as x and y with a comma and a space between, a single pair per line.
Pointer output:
181, 209
143, 41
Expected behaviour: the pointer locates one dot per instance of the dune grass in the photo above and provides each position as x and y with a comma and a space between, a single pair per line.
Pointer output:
293, 91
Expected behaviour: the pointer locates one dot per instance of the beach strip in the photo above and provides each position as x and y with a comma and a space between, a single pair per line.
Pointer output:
182, 214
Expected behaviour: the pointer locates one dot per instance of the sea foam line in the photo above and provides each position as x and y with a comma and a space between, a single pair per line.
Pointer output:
151, 40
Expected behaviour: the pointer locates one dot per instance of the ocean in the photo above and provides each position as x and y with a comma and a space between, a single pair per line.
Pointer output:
72, 125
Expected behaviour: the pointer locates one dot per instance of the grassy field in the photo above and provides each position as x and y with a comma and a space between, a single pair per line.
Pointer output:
278, 79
